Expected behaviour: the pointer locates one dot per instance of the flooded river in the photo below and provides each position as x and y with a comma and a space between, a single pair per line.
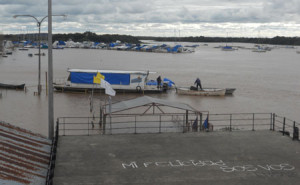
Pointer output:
265, 82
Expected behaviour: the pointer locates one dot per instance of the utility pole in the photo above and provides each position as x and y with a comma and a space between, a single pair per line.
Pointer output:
50, 73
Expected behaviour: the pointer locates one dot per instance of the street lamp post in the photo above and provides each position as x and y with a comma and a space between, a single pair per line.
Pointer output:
39, 88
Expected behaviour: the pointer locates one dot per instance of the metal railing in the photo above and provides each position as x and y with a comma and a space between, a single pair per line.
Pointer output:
286, 126
164, 123
120, 124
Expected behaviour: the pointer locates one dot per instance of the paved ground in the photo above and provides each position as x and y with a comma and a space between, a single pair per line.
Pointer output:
259, 157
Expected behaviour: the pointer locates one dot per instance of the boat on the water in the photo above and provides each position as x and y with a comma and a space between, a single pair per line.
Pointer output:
203, 92
120, 81
229, 91
228, 48
12, 86
42, 54
23, 49
259, 50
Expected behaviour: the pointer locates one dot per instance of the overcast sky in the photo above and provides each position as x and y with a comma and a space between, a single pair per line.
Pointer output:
235, 18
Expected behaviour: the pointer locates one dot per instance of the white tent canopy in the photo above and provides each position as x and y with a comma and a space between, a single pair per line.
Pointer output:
147, 101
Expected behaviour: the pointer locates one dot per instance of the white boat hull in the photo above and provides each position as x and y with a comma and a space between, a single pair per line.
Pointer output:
204, 92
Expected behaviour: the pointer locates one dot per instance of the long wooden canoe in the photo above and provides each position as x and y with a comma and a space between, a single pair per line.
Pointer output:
203, 92
12, 86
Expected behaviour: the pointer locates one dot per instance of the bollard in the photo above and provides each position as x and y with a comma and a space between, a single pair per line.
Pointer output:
283, 126
295, 132
230, 122
274, 121
253, 122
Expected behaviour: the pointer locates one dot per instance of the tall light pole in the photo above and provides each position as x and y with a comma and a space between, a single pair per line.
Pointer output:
39, 88
50, 75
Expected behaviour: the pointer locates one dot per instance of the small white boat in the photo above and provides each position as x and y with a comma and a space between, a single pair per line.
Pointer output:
259, 50
203, 92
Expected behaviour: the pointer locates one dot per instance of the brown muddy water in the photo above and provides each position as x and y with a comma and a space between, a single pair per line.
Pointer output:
265, 82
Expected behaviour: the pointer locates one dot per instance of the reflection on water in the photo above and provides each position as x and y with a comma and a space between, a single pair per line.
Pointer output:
265, 82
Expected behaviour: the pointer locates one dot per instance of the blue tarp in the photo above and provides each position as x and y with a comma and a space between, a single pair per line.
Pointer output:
62, 43
113, 44
112, 78
170, 82
166, 80
175, 48
151, 82
227, 47
27, 42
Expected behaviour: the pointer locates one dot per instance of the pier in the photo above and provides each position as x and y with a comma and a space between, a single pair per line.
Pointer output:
244, 157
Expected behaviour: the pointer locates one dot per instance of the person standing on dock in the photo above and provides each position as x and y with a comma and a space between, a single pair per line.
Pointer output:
158, 82
198, 83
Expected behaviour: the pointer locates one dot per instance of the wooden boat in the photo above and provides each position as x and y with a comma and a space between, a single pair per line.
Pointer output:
42, 54
23, 49
203, 92
229, 91
12, 86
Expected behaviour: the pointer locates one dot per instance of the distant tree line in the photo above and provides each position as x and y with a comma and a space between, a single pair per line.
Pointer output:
108, 38
76, 37
275, 40
90, 36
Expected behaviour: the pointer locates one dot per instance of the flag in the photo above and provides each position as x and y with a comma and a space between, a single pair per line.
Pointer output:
205, 124
97, 78
195, 124
108, 89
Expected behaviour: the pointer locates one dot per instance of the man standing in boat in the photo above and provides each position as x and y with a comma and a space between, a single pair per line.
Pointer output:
198, 83
158, 82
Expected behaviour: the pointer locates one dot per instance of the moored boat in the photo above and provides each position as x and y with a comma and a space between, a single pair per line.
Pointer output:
120, 81
229, 91
228, 48
203, 92
12, 86
23, 49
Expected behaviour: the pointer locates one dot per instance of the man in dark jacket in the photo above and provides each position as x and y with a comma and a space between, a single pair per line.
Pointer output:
198, 83
158, 82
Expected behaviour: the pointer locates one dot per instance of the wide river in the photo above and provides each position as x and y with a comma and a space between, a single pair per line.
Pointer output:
265, 82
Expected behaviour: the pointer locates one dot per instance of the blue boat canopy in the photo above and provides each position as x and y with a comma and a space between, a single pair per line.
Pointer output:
112, 78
